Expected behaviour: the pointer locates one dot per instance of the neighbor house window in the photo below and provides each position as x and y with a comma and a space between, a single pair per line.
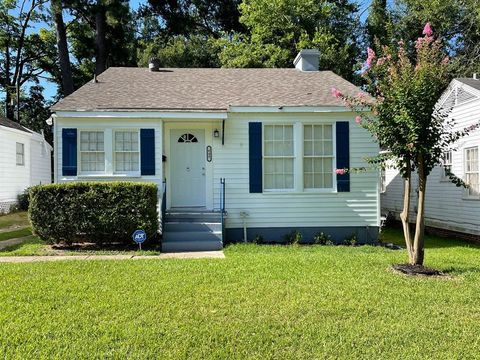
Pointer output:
318, 156
278, 157
383, 180
92, 151
20, 154
472, 175
446, 165
127, 153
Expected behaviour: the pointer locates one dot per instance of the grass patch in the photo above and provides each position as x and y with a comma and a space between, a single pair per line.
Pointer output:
19, 219
37, 247
15, 234
282, 302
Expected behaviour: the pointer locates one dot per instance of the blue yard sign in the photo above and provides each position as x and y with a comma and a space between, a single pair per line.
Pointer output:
139, 236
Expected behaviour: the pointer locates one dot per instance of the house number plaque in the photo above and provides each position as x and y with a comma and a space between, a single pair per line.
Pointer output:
209, 153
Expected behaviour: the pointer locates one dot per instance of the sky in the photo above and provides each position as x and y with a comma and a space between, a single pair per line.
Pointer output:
51, 88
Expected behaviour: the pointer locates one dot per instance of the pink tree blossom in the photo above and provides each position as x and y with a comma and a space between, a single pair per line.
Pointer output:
336, 93
340, 171
358, 119
370, 56
427, 30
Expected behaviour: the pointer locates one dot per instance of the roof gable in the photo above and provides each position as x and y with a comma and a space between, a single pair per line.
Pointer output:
458, 93
13, 125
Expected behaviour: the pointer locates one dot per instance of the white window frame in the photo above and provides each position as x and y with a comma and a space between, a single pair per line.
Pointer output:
136, 172
298, 159
333, 157
467, 191
447, 160
79, 153
22, 154
293, 157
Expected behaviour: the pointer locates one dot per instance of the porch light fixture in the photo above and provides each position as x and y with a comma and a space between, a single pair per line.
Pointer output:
216, 133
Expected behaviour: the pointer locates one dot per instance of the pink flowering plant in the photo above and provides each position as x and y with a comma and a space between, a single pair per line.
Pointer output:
403, 115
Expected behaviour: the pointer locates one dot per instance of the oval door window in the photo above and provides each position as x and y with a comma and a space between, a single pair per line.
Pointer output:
187, 138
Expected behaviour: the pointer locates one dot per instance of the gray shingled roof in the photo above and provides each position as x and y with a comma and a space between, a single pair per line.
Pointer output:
474, 83
133, 89
12, 124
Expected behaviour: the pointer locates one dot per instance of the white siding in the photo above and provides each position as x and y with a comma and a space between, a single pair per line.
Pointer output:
41, 164
359, 207
446, 205
13, 178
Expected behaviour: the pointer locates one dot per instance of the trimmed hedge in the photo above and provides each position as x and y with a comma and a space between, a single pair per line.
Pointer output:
97, 212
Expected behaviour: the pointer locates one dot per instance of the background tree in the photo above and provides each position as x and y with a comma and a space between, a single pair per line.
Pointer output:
277, 30
379, 27
21, 51
56, 8
183, 33
406, 120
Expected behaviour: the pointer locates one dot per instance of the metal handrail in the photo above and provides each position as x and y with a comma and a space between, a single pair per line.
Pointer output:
222, 206
164, 203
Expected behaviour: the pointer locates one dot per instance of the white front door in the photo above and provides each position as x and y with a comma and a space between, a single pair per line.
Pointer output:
187, 165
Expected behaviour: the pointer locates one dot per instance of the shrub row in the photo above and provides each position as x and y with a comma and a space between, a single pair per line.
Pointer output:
93, 212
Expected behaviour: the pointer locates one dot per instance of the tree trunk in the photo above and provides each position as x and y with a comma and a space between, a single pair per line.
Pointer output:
62, 46
100, 40
9, 110
418, 244
404, 215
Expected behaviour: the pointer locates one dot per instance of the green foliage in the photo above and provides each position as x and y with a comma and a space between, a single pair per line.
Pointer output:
24, 200
322, 239
405, 118
277, 30
258, 239
93, 212
351, 240
195, 51
293, 238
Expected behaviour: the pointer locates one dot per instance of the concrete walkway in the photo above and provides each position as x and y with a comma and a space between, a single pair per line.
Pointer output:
182, 255
12, 242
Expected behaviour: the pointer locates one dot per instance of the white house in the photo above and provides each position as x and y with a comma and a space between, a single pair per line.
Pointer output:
449, 208
25, 160
261, 144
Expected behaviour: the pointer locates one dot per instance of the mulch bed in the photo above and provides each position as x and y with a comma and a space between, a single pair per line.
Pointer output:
415, 270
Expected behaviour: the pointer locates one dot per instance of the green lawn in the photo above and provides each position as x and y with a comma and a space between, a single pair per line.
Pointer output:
19, 219
260, 302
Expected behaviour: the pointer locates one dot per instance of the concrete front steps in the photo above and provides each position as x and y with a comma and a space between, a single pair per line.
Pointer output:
192, 230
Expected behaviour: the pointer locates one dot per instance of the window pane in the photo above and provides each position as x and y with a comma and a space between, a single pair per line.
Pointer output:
269, 182
278, 133
268, 132
307, 132
318, 132
308, 148
269, 148
308, 181
327, 132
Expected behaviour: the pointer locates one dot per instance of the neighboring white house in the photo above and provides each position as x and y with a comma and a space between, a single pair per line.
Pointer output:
276, 137
449, 207
25, 160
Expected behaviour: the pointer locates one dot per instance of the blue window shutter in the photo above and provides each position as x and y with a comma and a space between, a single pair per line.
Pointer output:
255, 156
147, 151
343, 155
69, 152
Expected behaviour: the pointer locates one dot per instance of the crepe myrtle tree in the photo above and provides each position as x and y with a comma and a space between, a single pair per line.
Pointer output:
404, 117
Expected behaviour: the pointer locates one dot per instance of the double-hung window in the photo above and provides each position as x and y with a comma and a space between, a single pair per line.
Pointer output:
92, 152
446, 165
472, 175
20, 150
317, 157
127, 152
278, 149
